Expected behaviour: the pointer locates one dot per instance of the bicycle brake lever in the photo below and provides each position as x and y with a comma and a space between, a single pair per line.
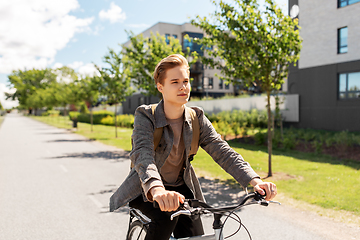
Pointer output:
275, 202
181, 212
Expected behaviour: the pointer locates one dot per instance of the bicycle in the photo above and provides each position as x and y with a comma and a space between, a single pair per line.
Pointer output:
138, 224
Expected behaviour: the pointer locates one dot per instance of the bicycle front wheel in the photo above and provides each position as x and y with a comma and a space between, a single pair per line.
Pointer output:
137, 231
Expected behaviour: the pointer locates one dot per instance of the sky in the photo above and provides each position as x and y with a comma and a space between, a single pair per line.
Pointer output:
77, 33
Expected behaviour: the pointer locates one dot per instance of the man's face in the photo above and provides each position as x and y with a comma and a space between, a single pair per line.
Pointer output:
176, 86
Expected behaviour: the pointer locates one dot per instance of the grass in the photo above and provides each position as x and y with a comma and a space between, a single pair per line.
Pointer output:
307, 177
101, 133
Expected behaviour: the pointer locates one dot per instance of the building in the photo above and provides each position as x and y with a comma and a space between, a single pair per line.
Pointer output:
327, 76
204, 83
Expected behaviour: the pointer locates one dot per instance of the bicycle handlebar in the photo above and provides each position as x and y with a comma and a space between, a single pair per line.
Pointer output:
194, 206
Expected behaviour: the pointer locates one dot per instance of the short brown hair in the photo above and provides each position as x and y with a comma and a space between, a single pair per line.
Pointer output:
169, 62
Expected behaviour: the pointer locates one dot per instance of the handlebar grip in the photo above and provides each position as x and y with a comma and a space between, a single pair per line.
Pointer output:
259, 197
156, 205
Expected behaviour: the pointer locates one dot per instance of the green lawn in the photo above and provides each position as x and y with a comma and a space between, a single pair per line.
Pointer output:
316, 179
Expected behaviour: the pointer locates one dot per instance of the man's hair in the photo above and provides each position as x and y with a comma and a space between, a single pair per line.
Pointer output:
169, 62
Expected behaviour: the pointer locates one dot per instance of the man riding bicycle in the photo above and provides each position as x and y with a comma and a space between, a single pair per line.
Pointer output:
165, 174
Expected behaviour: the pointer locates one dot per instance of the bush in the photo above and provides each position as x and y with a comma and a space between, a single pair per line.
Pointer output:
97, 116
108, 120
253, 118
124, 120
289, 142
260, 138
73, 115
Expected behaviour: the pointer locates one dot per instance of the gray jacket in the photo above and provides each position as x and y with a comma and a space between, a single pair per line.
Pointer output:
147, 161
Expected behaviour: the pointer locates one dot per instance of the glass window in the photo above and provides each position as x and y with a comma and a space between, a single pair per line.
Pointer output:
343, 3
342, 40
191, 44
167, 38
227, 86
211, 83
221, 83
349, 85
174, 36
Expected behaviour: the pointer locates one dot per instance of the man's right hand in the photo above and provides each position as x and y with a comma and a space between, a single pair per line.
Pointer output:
168, 200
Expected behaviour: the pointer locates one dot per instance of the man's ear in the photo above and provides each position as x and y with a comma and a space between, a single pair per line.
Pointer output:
159, 87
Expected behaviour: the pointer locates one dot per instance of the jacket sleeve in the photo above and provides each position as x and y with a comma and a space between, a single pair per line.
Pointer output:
142, 154
231, 161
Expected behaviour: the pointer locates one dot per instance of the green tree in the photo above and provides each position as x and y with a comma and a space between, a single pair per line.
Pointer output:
90, 87
114, 85
27, 82
253, 44
142, 55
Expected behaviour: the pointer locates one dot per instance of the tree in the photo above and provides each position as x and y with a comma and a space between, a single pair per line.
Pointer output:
27, 82
253, 44
142, 55
90, 87
114, 85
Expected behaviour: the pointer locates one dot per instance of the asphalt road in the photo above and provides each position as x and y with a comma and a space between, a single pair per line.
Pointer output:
55, 184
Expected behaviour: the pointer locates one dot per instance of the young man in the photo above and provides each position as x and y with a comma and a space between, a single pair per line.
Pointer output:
165, 174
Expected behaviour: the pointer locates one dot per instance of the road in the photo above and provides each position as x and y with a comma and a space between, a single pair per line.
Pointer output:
55, 184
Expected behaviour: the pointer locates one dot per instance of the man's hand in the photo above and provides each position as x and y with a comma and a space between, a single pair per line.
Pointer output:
262, 187
168, 200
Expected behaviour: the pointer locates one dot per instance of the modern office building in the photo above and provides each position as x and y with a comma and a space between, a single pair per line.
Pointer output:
327, 75
204, 83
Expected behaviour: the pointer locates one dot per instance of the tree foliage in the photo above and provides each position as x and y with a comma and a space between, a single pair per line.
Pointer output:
27, 82
114, 84
142, 55
252, 43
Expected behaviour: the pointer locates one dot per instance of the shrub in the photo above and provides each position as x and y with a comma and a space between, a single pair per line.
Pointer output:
260, 138
317, 145
73, 115
289, 142
125, 120
108, 120
97, 116
236, 128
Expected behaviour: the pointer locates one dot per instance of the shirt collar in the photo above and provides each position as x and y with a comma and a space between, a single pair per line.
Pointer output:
160, 115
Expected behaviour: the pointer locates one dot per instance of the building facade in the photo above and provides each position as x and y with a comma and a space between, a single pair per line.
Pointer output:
204, 82
327, 75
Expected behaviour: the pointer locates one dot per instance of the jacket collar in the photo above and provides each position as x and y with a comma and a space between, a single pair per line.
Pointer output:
160, 115
160, 119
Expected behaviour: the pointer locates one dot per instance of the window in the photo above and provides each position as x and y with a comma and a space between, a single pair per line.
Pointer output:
221, 83
167, 38
226, 86
191, 44
343, 3
174, 36
211, 83
342, 40
349, 85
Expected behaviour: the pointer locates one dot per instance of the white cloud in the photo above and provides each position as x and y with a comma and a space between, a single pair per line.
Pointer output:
35, 30
82, 69
7, 103
114, 14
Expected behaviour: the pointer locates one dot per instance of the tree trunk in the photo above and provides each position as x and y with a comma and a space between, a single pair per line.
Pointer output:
91, 118
65, 114
269, 132
115, 122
